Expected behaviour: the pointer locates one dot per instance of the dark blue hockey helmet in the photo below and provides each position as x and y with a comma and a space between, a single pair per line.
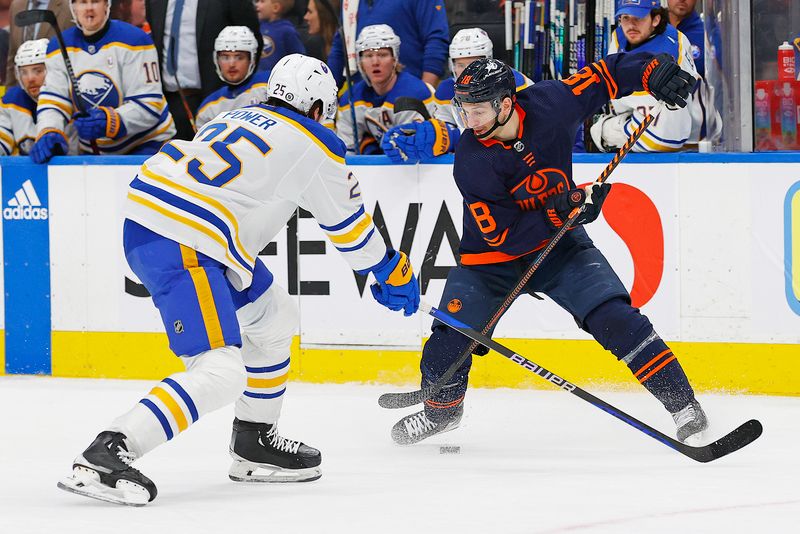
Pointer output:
485, 80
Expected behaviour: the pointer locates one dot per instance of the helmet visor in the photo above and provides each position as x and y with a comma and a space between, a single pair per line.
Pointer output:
479, 116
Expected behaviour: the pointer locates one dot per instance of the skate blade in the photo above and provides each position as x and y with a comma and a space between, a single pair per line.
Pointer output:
244, 471
697, 439
87, 483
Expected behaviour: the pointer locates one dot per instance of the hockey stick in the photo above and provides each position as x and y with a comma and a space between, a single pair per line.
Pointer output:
385, 130
37, 16
349, 80
407, 103
410, 398
733, 441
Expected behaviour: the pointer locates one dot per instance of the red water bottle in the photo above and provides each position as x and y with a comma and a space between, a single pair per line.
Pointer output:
786, 70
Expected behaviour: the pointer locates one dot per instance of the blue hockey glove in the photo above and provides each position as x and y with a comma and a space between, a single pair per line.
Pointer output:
397, 287
99, 122
558, 207
398, 144
50, 143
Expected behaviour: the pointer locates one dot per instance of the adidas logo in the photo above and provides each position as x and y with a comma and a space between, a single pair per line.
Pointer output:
25, 205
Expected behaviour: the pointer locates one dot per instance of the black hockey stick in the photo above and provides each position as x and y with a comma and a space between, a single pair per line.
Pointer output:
407, 103
733, 441
410, 398
38, 16
349, 80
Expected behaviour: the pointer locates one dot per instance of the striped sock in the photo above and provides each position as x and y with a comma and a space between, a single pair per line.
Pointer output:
657, 369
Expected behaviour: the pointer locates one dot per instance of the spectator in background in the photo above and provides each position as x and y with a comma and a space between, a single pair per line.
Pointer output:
375, 94
133, 12
643, 27
421, 26
235, 49
5, 28
18, 109
118, 84
39, 31
321, 19
188, 71
279, 34
683, 16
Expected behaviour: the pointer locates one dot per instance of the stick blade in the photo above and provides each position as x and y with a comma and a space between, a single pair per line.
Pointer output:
742, 436
34, 16
407, 103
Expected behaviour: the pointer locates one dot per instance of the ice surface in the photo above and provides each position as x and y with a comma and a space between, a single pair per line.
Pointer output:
530, 461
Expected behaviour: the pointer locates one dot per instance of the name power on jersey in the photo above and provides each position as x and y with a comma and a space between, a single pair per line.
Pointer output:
25, 205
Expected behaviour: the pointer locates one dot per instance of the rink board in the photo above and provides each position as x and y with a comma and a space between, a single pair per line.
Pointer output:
708, 245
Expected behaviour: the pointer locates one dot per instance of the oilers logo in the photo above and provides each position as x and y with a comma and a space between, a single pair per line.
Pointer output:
269, 46
97, 89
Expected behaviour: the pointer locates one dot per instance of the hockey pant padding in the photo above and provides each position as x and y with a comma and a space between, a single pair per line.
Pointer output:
268, 325
443, 348
629, 335
212, 380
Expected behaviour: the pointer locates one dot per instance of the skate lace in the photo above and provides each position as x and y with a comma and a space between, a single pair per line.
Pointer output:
684, 416
125, 457
281, 443
418, 424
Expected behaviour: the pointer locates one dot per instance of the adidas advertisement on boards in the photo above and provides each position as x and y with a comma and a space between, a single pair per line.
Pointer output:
26, 255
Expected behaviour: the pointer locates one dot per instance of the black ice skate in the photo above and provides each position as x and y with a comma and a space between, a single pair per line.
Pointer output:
690, 421
416, 427
104, 472
261, 455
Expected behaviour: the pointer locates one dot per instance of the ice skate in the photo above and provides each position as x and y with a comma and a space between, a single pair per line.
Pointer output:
104, 472
691, 421
416, 427
260, 454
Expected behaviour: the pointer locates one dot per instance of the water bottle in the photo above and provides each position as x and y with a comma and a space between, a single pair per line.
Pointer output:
786, 67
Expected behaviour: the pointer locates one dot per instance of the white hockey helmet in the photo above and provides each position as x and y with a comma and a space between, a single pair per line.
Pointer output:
470, 42
31, 52
236, 39
75, 19
376, 37
300, 81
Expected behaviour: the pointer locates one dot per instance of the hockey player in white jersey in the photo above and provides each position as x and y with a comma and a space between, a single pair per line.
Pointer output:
235, 59
643, 27
18, 108
198, 214
118, 79
423, 140
374, 96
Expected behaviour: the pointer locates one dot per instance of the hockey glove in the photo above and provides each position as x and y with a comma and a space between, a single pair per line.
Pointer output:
399, 147
666, 81
99, 122
397, 287
50, 143
558, 207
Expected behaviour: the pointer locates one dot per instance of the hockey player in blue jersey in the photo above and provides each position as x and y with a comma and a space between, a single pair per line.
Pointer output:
423, 140
235, 58
513, 167
197, 215
373, 98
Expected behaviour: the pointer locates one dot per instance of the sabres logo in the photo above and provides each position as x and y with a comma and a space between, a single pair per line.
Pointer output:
269, 46
97, 89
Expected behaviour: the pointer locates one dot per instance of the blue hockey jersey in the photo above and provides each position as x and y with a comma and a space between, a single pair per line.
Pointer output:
506, 184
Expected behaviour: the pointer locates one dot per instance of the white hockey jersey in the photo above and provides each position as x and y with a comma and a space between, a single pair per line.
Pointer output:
673, 128
118, 70
375, 113
18, 124
443, 98
17, 127
228, 192
230, 97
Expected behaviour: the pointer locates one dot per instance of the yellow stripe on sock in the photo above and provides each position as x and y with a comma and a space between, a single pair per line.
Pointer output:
267, 382
172, 406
